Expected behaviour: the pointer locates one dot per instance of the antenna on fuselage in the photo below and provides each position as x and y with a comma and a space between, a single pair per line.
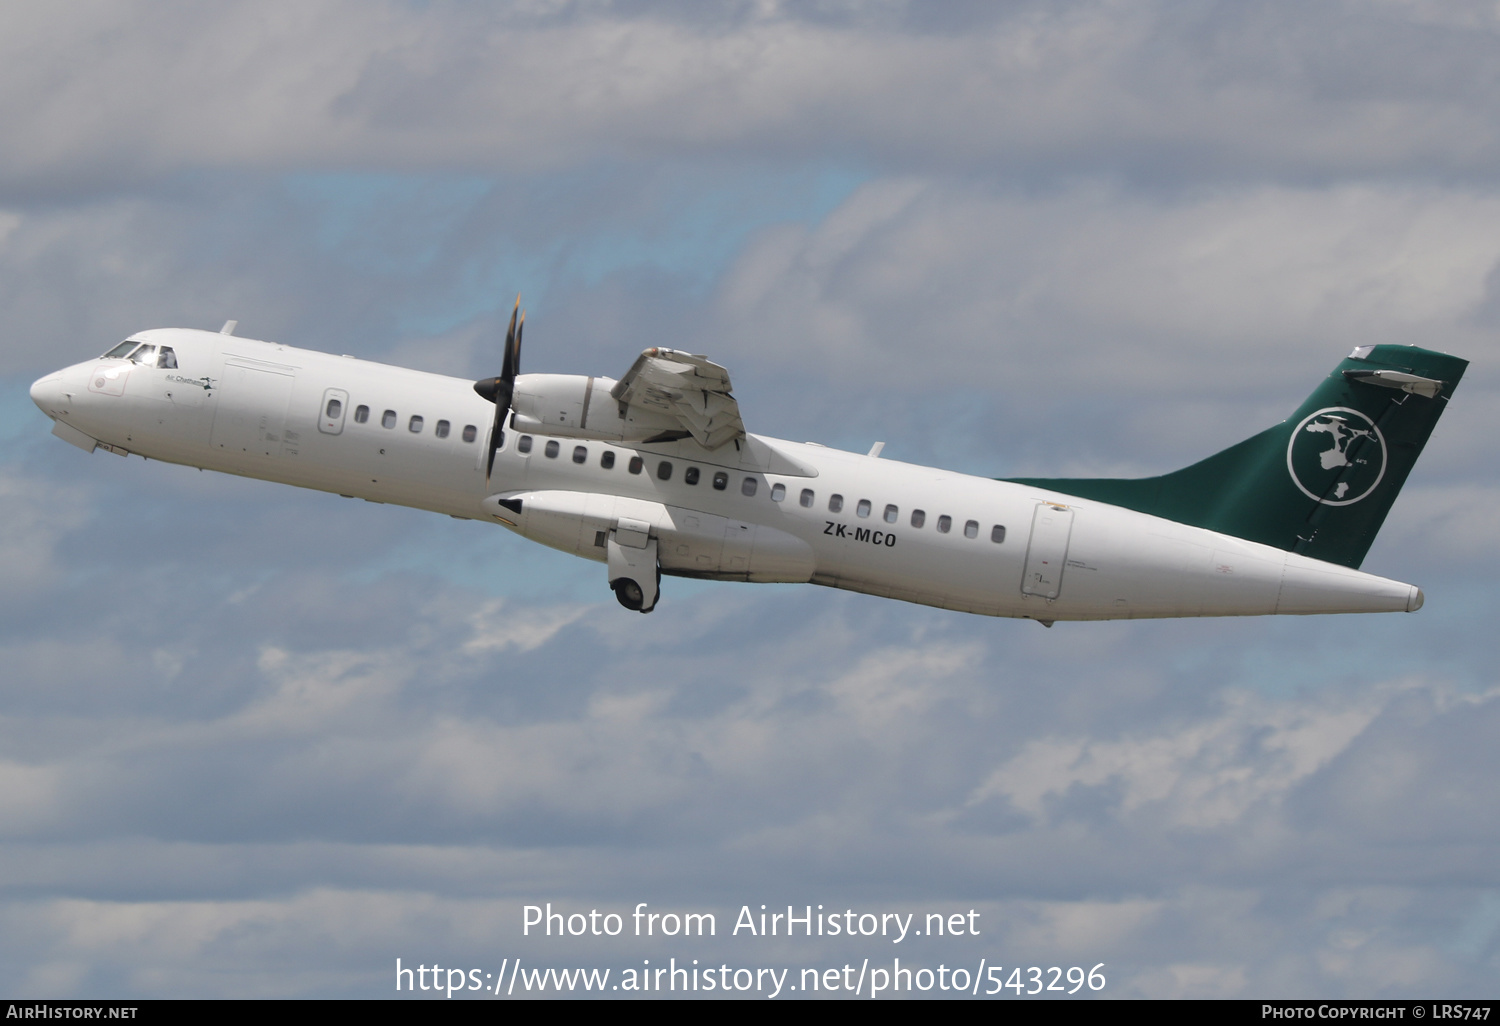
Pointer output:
229, 327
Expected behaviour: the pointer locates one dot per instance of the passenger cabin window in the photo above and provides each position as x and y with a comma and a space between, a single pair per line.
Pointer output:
806, 499
551, 449
414, 425
891, 512
524, 445
721, 480
636, 463
441, 428
580, 454
971, 529
470, 432
168, 358
747, 486
120, 351
664, 470
607, 459
778, 492
945, 524
334, 409
835, 503
997, 533
690, 475
388, 419
361, 414
145, 356
918, 517
863, 509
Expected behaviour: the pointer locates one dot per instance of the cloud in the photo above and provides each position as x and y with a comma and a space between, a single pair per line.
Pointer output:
1210, 774
829, 774
1218, 91
1139, 291
39, 515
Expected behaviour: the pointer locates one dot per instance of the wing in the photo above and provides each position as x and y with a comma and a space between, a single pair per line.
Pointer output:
688, 389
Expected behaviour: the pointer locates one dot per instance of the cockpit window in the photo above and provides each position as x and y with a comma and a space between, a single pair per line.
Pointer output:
167, 359
120, 351
145, 356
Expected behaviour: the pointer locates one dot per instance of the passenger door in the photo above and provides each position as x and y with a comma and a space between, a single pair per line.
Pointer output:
1047, 552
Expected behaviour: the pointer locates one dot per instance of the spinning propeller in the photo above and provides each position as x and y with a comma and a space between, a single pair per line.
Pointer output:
502, 390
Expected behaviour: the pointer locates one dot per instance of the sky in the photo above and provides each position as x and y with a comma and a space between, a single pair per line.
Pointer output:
258, 742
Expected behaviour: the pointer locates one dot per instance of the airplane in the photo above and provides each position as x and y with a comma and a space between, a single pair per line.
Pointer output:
655, 474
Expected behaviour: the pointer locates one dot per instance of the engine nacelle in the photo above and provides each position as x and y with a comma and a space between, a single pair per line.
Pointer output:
575, 406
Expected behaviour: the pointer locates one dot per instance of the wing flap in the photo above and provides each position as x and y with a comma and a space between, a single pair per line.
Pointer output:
690, 389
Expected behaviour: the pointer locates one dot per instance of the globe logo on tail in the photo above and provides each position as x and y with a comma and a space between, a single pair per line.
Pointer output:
1336, 456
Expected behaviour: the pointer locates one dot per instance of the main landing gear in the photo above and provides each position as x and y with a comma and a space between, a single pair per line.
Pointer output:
630, 594
634, 575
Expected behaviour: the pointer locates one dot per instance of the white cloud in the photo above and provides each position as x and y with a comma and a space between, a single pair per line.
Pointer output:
443, 85
38, 516
1208, 773
929, 283
499, 624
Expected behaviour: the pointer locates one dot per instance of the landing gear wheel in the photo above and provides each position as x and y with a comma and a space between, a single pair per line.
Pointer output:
630, 594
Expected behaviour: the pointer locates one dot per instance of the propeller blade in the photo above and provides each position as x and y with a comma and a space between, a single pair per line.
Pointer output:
501, 390
497, 438
508, 361
520, 329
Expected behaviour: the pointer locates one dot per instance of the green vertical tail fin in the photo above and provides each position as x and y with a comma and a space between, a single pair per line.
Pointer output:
1321, 482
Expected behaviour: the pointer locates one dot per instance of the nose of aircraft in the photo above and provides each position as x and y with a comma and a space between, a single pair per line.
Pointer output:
48, 393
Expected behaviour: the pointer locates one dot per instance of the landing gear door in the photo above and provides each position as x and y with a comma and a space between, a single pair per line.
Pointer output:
1047, 552
331, 416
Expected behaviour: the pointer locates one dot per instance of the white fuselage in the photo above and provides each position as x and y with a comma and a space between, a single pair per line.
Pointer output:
261, 410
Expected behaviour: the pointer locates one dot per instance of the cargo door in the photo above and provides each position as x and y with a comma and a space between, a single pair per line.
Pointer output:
1047, 552
251, 413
